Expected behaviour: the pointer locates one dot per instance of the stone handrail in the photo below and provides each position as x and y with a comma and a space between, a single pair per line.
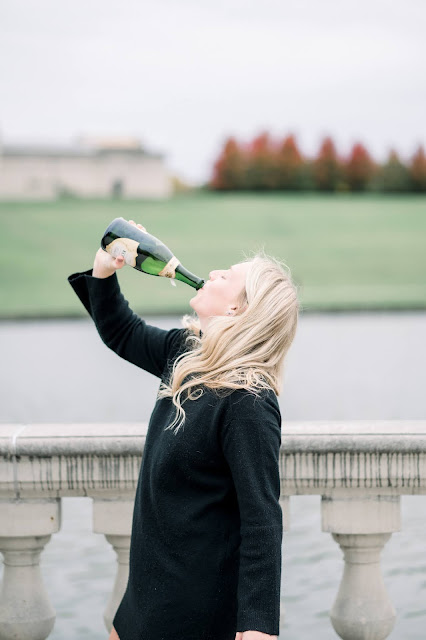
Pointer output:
360, 469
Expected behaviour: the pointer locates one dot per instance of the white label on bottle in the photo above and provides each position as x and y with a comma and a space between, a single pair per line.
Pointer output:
169, 271
125, 247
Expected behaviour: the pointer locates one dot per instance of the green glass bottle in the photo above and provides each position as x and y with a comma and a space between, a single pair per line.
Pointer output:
145, 252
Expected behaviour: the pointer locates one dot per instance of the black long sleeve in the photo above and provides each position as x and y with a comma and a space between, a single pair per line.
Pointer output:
251, 443
122, 330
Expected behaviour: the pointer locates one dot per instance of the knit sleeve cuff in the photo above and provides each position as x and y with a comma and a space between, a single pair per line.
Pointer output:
89, 288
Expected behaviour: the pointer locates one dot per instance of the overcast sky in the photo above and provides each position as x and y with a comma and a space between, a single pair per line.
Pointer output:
183, 74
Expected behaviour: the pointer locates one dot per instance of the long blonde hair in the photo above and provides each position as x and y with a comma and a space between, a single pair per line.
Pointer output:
245, 351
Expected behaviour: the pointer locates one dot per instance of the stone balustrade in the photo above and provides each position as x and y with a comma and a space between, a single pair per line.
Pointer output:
359, 468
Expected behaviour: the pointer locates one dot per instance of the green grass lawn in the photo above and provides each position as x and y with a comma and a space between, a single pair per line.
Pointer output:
344, 251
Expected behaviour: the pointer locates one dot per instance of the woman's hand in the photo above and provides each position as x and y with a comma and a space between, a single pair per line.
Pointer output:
105, 265
137, 225
254, 635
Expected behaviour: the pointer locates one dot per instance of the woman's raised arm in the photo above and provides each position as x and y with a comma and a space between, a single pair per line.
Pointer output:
122, 330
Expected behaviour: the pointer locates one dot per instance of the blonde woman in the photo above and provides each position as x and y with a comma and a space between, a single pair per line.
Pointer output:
205, 555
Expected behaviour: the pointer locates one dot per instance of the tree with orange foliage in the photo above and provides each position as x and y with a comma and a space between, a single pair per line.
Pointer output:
417, 170
262, 165
290, 165
359, 169
230, 168
327, 169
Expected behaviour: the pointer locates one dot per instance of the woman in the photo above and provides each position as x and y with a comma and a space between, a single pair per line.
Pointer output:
205, 555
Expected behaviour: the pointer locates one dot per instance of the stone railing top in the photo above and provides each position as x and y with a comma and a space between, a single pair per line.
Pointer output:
56, 439
53, 460
356, 435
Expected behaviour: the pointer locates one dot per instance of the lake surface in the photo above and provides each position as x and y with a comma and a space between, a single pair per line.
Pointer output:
340, 367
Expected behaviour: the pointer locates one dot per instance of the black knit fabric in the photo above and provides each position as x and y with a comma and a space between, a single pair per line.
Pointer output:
205, 556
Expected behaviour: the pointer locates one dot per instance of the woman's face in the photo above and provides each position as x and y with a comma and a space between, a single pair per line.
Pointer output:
219, 294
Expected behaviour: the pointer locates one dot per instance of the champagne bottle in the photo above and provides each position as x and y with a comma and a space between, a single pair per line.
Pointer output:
145, 252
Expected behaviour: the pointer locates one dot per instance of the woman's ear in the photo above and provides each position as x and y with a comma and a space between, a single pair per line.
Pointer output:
240, 310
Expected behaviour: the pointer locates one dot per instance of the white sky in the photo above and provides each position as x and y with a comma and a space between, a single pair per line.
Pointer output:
183, 74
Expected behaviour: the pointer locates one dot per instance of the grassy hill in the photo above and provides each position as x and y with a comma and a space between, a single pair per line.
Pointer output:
344, 251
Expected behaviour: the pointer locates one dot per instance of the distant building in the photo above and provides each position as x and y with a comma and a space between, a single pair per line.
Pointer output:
91, 168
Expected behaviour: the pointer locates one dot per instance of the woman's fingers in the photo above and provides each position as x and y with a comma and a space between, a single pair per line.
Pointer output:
137, 225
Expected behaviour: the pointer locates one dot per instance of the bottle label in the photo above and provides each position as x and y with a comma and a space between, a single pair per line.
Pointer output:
125, 247
169, 271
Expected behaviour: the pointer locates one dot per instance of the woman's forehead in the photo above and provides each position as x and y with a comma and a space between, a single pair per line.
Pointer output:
240, 267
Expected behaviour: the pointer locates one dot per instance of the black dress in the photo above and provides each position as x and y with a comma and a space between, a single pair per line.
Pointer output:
205, 554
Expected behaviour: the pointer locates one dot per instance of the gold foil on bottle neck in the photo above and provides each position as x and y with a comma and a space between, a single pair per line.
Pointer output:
169, 271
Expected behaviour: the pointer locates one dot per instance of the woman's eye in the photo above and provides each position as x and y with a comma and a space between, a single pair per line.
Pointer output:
224, 277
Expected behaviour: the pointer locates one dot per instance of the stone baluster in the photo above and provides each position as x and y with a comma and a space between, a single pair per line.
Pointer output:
25, 528
113, 518
361, 525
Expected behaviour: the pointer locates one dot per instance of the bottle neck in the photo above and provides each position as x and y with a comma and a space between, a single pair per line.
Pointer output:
186, 276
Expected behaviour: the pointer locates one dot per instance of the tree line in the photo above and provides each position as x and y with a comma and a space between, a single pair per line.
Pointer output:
268, 164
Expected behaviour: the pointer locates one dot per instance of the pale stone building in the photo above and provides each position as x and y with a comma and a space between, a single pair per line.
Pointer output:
90, 168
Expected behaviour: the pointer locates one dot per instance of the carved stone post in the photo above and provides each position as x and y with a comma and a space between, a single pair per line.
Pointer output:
361, 525
113, 518
25, 528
